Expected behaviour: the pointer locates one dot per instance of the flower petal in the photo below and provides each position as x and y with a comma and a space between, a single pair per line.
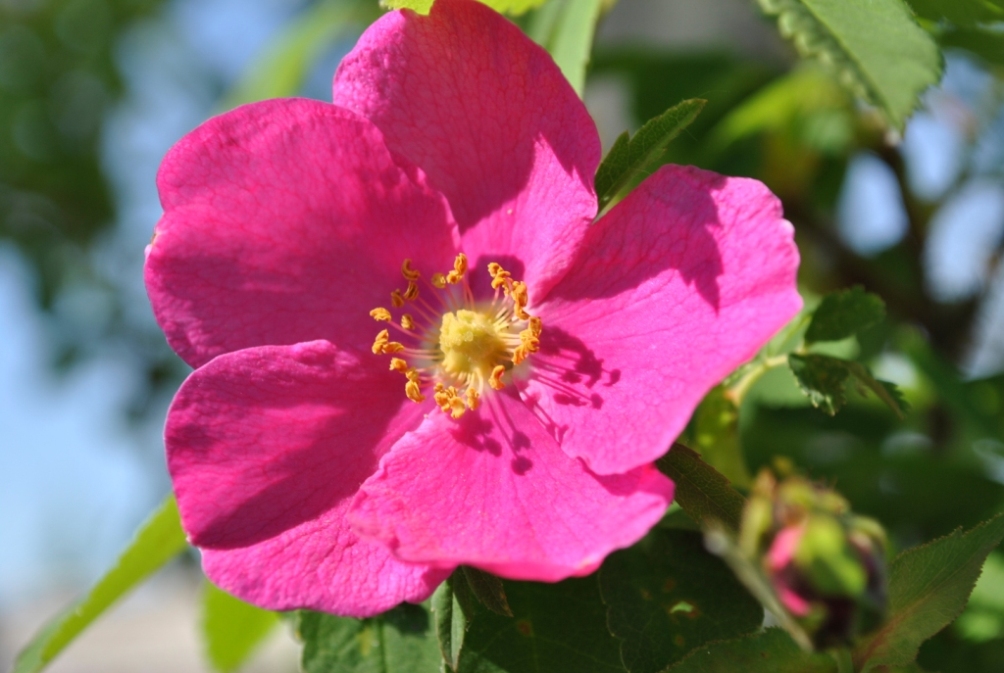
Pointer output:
677, 286
286, 221
489, 117
266, 448
493, 490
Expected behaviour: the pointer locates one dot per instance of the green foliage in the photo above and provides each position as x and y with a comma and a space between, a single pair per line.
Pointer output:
668, 596
452, 612
631, 159
281, 71
960, 12
514, 7
823, 379
555, 628
874, 47
398, 641
157, 541
716, 435
983, 619
488, 589
565, 28
771, 651
844, 314
928, 588
703, 493
986, 43
231, 628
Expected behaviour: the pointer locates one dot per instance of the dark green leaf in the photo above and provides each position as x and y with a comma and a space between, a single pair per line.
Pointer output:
399, 641
985, 43
844, 314
772, 651
668, 595
823, 378
452, 617
874, 47
157, 541
556, 628
703, 493
633, 158
232, 628
488, 589
928, 588
960, 12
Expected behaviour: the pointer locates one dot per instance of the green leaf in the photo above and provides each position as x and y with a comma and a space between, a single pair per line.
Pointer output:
451, 619
986, 43
514, 7
844, 314
566, 29
488, 589
823, 379
555, 628
875, 48
716, 434
231, 628
966, 13
634, 158
668, 596
398, 641
157, 541
928, 588
772, 651
285, 64
703, 493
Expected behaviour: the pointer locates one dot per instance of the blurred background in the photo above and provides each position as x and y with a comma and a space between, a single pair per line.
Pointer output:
94, 92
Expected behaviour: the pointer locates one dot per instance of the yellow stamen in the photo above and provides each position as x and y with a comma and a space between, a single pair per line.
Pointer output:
398, 365
520, 299
495, 380
411, 294
499, 276
408, 271
396, 300
459, 269
473, 399
380, 342
412, 391
407, 322
380, 314
439, 280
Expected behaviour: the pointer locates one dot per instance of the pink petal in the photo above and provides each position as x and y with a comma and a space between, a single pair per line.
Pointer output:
677, 286
489, 117
266, 448
493, 490
286, 221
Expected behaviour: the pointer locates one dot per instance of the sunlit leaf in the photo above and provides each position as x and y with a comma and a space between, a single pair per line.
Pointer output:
231, 628
452, 616
402, 640
703, 493
928, 588
514, 7
634, 157
843, 314
875, 48
157, 541
668, 595
566, 29
823, 379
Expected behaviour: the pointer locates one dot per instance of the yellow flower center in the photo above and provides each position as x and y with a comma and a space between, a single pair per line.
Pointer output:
459, 346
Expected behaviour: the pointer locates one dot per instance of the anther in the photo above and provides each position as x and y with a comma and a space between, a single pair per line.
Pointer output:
398, 365
495, 380
407, 322
459, 269
473, 399
408, 271
396, 300
380, 314
411, 293
438, 280
412, 391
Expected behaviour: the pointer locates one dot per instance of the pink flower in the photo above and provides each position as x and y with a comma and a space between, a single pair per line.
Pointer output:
312, 464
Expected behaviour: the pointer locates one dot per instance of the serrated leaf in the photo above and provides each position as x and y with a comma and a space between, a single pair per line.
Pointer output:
986, 43
451, 620
965, 13
844, 314
772, 651
231, 628
928, 588
703, 493
158, 540
555, 628
488, 589
634, 157
823, 379
283, 69
401, 640
514, 7
667, 595
875, 48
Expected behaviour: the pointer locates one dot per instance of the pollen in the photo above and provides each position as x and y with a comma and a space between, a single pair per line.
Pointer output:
458, 348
